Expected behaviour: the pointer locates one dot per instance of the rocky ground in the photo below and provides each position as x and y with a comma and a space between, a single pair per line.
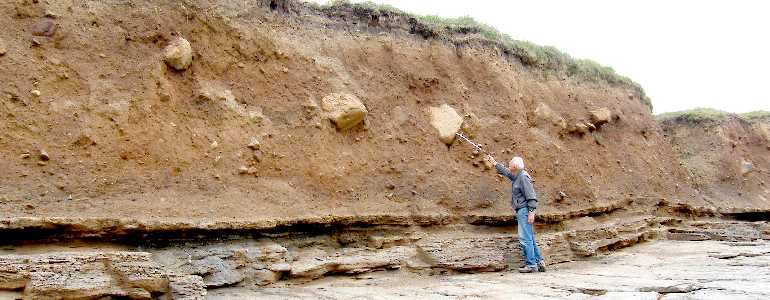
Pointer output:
656, 270
293, 261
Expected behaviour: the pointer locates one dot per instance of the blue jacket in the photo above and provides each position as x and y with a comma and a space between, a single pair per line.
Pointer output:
522, 191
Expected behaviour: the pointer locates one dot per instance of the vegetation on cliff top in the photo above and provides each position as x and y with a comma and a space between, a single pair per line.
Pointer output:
702, 114
546, 58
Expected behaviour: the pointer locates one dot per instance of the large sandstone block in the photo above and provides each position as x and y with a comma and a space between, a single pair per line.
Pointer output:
447, 121
600, 116
344, 110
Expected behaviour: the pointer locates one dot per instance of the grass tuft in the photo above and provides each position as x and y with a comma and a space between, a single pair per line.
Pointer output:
756, 115
702, 114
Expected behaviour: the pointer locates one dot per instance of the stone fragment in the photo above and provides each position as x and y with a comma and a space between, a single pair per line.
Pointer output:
280, 267
215, 271
746, 167
471, 124
187, 287
207, 265
35, 93
254, 143
344, 110
601, 116
222, 278
579, 128
244, 170
45, 27
561, 196
446, 120
263, 277
258, 155
3, 49
178, 54
44, 155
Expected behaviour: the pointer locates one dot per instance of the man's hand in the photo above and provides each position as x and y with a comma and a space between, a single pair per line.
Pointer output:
531, 217
491, 159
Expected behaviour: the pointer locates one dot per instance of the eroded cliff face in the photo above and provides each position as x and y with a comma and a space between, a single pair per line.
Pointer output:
729, 160
163, 148
97, 125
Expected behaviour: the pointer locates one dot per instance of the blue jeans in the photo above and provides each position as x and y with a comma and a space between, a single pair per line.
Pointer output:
527, 239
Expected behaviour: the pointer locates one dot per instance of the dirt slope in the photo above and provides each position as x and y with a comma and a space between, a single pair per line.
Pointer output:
124, 136
133, 170
729, 160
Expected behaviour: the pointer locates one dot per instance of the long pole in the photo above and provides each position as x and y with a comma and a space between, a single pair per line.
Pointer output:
475, 145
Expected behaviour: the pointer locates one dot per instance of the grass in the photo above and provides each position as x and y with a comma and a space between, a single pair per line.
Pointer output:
756, 115
702, 114
546, 58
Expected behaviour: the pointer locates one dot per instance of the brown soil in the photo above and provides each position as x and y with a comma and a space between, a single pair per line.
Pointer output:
729, 160
127, 137
133, 179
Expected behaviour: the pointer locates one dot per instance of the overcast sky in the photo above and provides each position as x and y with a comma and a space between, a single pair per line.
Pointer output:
685, 54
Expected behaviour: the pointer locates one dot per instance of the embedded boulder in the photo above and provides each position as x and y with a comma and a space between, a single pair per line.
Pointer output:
344, 110
178, 54
447, 121
600, 116
544, 114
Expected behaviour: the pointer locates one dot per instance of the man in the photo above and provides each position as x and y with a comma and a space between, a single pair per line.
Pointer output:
524, 202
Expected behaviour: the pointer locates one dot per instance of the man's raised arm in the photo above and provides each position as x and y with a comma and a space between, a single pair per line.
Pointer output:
500, 168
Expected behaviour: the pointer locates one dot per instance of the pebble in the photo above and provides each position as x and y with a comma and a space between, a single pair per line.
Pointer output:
44, 155
3, 50
258, 156
254, 143
45, 27
244, 170
36, 93
178, 54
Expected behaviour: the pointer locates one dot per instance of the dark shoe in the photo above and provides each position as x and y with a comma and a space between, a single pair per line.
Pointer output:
526, 269
541, 266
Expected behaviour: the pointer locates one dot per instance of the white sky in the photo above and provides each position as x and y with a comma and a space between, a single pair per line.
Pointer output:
685, 53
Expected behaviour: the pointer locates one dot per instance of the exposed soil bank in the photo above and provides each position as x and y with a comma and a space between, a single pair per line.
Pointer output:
97, 126
728, 159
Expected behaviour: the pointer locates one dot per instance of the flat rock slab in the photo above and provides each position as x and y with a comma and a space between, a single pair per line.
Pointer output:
83, 275
654, 270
